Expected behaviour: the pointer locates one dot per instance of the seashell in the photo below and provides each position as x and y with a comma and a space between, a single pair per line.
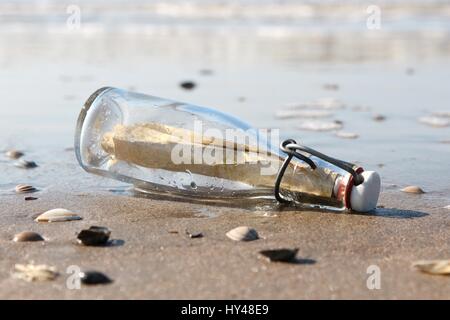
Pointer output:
328, 104
14, 154
57, 215
346, 135
280, 255
439, 267
413, 189
378, 117
285, 114
31, 272
92, 277
194, 235
436, 122
94, 236
317, 125
25, 164
27, 236
447, 207
444, 114
242, 233
25, 188
188, 85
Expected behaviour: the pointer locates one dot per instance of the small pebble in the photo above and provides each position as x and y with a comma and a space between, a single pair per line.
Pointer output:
242, 233
188, 85
194, 235
92, 277
331, 86
410, 71
25, 164
378, 117
206, 72
30, 198
14, 154
24, 188
280, 255
94, 236
413, 189
31, 272
57, 215
27, 236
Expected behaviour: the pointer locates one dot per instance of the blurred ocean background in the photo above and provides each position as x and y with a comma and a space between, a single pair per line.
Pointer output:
260, 56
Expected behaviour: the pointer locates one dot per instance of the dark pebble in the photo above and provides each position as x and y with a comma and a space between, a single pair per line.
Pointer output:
188, 85
194, 235
25, 164
30, 198
94, 236
280, 255
94, 277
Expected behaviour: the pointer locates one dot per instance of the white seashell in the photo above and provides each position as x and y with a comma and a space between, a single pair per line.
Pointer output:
24, 188
57, 215
14, 154
347, 135
285, 114
320, 125
31, 272
441, 267
242, 233
433, 121
328, 104
413, 189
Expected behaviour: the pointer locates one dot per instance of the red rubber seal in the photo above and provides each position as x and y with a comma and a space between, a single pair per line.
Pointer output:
348, 189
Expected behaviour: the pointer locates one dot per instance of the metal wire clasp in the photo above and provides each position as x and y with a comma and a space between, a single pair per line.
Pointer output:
293, 149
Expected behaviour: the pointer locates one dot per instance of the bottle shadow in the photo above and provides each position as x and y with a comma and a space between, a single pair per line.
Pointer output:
378, 212
394, 213
270, 205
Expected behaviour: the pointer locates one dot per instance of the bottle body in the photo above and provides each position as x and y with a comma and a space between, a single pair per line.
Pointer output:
167, 146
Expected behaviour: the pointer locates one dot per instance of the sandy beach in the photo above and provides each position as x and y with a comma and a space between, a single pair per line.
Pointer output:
386, 81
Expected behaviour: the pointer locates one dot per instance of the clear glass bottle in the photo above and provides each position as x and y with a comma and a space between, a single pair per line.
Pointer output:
160, 145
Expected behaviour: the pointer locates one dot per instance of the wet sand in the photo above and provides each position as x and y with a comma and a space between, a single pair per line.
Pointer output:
148, 261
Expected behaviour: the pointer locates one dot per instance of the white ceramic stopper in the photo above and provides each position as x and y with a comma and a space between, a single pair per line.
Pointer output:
364, 197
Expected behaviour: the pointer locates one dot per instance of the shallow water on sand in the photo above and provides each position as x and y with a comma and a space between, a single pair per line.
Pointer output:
402, 75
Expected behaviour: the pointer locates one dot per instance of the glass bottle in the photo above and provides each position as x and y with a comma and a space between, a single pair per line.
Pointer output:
177, 148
